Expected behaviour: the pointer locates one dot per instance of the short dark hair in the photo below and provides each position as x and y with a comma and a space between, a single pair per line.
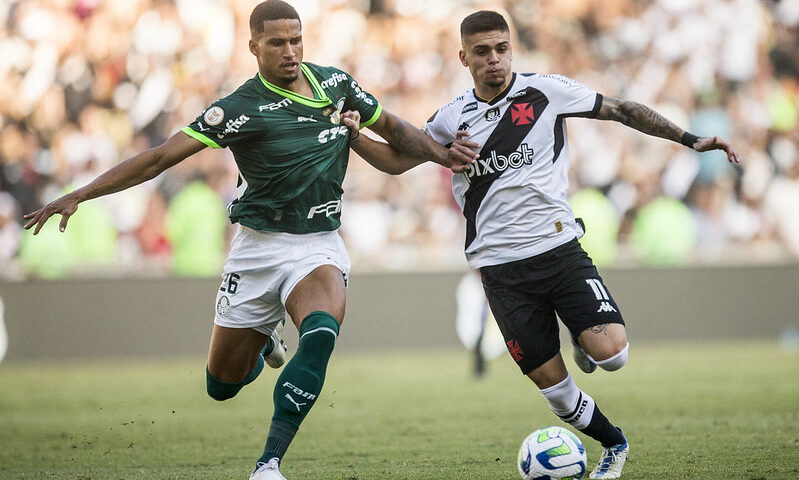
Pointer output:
271, 10
483, 21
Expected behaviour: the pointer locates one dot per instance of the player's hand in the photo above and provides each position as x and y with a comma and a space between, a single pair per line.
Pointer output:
65, 206
704, 144
352, 120
462, 153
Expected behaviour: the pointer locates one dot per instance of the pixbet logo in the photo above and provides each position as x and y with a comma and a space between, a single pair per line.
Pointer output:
499, 163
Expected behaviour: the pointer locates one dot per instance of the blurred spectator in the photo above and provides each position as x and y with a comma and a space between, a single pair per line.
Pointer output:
601, 221
88, 245
195, 226
86, 83
663, 233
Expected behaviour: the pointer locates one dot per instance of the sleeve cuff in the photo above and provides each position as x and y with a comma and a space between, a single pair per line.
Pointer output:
374, 117
199, 136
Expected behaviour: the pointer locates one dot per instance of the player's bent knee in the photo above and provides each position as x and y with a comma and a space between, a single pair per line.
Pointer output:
219, 390
616, 361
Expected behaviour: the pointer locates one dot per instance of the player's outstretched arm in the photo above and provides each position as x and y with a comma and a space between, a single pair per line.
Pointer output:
133, 171
408, 146
378, 154
646, 120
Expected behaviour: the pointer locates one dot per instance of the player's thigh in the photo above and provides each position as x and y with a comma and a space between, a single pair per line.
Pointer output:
526, 319
321, 290
248, 303
588, 310
254, 272
233, 352
318, 281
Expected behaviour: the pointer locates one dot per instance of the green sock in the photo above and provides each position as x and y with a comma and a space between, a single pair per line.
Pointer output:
300, 383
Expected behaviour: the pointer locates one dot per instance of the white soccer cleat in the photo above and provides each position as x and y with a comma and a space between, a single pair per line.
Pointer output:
277, 357
581, 358
267, 471
611, 462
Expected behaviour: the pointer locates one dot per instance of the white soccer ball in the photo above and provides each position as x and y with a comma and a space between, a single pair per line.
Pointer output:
552, 453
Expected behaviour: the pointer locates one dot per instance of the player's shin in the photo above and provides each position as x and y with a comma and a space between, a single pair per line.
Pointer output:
300, 383
578, 409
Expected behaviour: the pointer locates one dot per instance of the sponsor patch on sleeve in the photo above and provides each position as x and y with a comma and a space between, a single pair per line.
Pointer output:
214, 115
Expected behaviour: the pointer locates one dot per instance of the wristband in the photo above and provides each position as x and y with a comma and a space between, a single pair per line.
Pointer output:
688, 139
355, 137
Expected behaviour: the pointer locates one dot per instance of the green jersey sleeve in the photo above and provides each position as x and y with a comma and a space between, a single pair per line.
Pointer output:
365, 103
225, 122
340, 84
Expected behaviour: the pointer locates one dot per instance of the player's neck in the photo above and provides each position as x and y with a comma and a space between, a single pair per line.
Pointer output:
300, 85
487, 93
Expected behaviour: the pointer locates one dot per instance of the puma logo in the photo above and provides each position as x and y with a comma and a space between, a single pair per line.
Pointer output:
295, 403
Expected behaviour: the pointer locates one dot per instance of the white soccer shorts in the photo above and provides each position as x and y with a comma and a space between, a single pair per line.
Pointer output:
264, 267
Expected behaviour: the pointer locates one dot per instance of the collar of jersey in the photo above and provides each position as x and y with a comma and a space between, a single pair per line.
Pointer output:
498, 96
322, 101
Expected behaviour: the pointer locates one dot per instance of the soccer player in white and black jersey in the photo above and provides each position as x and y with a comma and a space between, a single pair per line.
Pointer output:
520, 230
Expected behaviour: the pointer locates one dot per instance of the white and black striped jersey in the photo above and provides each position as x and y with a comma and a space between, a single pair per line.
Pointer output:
514, 197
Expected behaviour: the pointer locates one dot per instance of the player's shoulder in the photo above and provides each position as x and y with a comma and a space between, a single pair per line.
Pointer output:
246, 92
463, 103
554, 79
237, 105
328, 76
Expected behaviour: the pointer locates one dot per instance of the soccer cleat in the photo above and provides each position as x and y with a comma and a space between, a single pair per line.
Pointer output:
611, 462
267, 471
581, 358
277, 357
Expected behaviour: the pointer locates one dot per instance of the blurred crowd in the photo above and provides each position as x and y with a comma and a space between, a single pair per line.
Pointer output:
85, 84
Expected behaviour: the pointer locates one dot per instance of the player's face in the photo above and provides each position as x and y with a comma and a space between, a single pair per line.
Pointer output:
488, 56
279, 51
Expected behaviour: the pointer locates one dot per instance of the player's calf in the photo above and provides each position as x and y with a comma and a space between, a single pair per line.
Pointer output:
579, 410
300, 383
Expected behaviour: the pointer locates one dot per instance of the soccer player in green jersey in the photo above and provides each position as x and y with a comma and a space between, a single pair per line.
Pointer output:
288, 130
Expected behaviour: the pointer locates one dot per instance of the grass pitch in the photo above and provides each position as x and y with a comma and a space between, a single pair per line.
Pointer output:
719, 411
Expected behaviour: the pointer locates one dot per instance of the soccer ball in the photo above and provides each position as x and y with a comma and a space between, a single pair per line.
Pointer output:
552, 453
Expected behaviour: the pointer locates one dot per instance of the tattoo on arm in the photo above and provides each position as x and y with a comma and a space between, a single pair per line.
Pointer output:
412, 142
639, 117
599, 328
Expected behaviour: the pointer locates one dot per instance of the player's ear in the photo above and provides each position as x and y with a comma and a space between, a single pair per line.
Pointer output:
462, 56
253, 47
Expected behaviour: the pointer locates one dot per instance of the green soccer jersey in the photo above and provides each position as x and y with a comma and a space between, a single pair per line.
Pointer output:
291, 150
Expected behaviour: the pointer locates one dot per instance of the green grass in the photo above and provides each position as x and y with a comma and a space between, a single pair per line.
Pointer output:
719, 411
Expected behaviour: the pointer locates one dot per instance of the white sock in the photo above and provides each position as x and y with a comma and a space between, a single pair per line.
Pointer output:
571, 404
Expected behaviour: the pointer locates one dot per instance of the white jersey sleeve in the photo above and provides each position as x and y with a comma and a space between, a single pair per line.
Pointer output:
570, 97
443, 125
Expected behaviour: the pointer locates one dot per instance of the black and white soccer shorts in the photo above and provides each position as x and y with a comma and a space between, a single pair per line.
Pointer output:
525, 295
